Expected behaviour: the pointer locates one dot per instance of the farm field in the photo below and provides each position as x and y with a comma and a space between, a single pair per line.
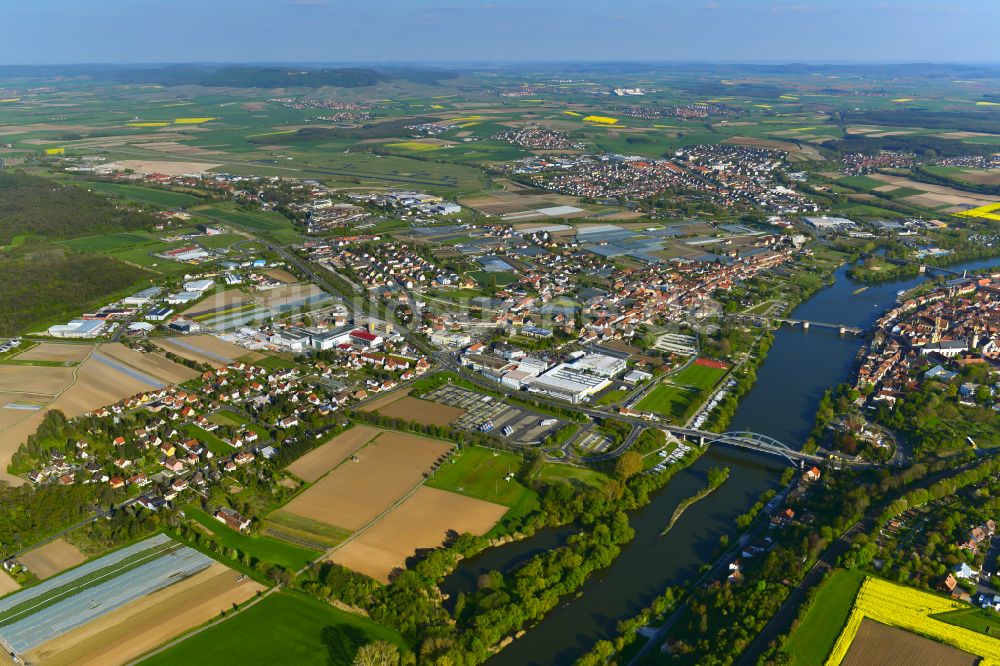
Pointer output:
386, 399
136, 628
325, 457
420, 411
149, 591
353, 494
263, 548
52, 558
813, 638
980, 620
911, 610
876, 644
310, 632
206, 349
423, 520
143, 194
303, 532
7, 584
54, 351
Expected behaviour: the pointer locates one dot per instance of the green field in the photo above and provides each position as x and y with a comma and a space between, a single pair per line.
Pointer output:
979, 620
479, 472
689, 389
672, 401
263, 548
811, 641
143, 194
284, 628
699, 376
611, 397
503, 278
303, 531
861, 182
553, 472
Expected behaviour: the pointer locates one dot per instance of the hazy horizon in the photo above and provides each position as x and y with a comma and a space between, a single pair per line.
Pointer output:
55, 32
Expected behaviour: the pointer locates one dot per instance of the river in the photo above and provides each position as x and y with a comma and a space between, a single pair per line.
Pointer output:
799, 367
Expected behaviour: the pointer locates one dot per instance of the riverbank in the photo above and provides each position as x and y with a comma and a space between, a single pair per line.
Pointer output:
716, 477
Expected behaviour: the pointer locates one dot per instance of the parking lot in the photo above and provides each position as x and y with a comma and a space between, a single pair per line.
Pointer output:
483, 411
593, 443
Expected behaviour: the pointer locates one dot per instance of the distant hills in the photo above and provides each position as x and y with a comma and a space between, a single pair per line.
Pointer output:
237, 76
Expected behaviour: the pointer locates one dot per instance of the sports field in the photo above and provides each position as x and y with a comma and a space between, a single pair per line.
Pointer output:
309, 632
354, 493
480, 472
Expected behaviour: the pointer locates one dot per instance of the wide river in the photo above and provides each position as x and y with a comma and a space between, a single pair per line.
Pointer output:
782, 404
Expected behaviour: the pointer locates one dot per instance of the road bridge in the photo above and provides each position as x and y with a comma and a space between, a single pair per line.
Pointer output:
805, 323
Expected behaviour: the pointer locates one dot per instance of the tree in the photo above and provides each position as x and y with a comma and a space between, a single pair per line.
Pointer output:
379, 653
628, 465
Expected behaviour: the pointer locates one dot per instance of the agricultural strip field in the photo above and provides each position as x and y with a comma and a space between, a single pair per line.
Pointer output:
384, 400
205, 349
7, 584
48, 613
420, 411
353, 494
261, 547
303, 532
141, 194
424, 520
813, 638
52, 558
54, 351
876, 644
136, 628
311, 632
911, 610
322, 459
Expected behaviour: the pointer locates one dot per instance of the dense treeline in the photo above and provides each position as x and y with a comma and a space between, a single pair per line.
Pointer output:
268, 77
926, 146
971, 121
37, 206
29, 514
47, 283
381, 130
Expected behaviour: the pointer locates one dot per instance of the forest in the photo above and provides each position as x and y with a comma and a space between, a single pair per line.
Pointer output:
45, 283
33, 206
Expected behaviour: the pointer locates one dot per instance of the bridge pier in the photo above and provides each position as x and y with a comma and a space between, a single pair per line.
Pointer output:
701, 441
842, 330
805, 325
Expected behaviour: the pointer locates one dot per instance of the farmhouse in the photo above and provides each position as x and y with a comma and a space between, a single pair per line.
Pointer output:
231, 519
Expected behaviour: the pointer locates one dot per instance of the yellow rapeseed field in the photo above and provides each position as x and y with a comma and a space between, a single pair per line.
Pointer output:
603, 120
572, 113
910, 609
55, 151
903, 99
415, 146
192, 121
985, 212
987, 103
148, 124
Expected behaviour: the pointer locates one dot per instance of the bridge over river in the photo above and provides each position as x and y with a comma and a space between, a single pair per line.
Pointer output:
760, 443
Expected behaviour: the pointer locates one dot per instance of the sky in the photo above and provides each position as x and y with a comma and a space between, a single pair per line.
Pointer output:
374, 31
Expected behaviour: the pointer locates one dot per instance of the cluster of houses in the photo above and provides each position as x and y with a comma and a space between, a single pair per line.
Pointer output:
953, 325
